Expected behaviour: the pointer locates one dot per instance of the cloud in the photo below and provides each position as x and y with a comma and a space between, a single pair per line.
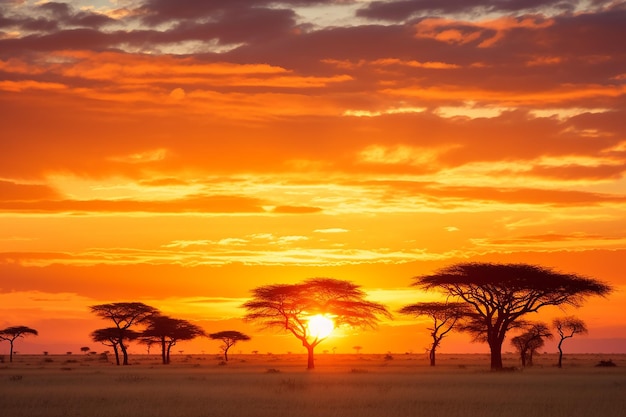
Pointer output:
399, 10
142, 157
295, 210
13, 191
573, 241
204, 204
186, 243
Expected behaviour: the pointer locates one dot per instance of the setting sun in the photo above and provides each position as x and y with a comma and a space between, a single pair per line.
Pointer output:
320, 326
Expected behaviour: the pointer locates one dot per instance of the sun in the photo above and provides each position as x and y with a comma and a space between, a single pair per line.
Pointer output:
320, 326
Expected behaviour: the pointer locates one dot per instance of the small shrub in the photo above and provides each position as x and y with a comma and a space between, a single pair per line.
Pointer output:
359, 371
606, 364
15, 378
272, 371
388, 357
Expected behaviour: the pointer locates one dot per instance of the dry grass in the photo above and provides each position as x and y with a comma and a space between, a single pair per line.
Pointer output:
343, 385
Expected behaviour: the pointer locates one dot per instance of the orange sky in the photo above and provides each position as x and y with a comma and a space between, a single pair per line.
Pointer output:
182, 153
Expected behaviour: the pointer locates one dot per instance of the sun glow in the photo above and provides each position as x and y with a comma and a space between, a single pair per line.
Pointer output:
320, 326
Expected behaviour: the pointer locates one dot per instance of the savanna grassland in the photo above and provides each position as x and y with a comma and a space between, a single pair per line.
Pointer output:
279, 386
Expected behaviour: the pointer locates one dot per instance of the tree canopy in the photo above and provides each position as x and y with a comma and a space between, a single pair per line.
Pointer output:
290, 306
501, 294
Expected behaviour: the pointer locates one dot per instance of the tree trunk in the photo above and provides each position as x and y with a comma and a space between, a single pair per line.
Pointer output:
433, 349
124, 354
523, 354
11, 351
560, 364
226, 354
117, 355
163, 353
311, 360
496, 355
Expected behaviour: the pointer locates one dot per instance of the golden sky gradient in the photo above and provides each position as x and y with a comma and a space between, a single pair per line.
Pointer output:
182, 153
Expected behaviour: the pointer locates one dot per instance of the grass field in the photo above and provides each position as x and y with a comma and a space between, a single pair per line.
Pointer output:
342, 385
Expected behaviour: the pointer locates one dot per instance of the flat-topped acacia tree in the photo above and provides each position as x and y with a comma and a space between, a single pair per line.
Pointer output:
444, 317
567, 327
166, 332
11, 333
229, 339
499, 295
529, 342
124, 315
111, 337
291, 306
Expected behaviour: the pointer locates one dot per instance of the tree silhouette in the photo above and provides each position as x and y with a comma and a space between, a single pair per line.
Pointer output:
11, 333
567, 327
166, 332
114, 337
229, 338
124, 315
85, 349
444, 317
530, 341
499, 295
289, 306
357, 349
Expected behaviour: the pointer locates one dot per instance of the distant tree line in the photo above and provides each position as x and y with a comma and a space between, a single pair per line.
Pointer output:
155, 329
485, 300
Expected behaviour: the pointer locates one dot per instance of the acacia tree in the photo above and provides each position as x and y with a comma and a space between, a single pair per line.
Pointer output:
229, 339
289, 306
11, 333
124, 316
444, 317
567, 327
499, 295
112, 337
166, 332
530, 341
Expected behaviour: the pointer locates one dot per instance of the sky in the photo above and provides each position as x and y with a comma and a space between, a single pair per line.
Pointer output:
183, 153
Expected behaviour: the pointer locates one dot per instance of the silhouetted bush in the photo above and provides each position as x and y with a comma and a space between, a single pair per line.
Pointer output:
607, 364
